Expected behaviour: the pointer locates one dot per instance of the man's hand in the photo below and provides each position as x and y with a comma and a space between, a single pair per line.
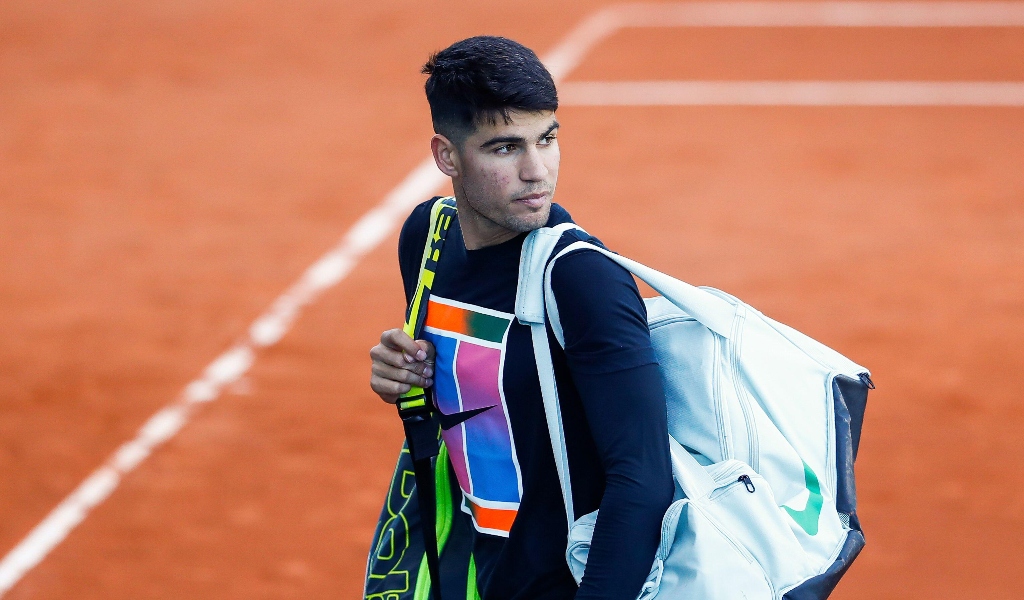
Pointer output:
400, 362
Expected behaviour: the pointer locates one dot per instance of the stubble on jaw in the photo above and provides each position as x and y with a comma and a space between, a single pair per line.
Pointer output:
503, 218
527, 223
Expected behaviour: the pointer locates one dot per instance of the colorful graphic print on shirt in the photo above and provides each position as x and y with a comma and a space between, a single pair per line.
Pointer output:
470, 343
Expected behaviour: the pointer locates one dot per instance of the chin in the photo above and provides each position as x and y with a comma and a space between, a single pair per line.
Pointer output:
529, 221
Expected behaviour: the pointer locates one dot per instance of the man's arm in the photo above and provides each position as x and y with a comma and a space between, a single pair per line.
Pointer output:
609, 353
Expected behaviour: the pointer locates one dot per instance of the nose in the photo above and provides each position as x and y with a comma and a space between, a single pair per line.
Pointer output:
532, 167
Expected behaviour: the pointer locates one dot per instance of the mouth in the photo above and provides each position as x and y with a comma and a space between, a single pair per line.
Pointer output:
533, 200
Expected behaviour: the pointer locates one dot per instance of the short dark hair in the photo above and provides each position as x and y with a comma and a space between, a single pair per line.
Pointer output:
482, 77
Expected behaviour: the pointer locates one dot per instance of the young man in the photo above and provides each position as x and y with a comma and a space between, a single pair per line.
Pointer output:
493, 109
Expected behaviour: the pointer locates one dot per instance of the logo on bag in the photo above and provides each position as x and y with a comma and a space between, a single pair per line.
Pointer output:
807, 518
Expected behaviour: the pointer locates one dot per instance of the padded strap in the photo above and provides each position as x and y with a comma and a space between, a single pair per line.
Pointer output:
553, 414
421, 429
537, 248
442, 213
711, 311
534, 295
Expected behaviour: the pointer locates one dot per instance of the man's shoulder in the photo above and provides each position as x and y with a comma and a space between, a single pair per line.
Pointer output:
561, 216
558, 215
411, 241
414, 230
420, 215
572, 236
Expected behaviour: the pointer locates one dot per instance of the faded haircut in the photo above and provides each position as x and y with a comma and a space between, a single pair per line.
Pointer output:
480, 78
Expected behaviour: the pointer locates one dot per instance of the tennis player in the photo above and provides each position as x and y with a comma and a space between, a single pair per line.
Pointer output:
493, 107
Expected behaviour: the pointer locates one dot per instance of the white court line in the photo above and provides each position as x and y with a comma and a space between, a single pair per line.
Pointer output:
609, 20
792, 93
380, 221
820, 14
612, 19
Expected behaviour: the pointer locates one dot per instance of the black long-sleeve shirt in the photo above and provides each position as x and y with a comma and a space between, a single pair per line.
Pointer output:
613, 410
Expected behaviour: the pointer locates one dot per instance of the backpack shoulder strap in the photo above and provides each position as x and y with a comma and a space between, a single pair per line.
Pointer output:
421, 429
441, 215
537, 249
710, 310
535, 306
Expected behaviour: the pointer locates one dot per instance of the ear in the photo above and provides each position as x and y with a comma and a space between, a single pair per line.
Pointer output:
446, 155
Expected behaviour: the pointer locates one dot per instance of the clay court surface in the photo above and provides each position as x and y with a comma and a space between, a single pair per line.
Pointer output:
167, 169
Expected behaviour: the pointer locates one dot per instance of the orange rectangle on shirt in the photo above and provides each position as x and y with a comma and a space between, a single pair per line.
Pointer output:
447, 318
492, 518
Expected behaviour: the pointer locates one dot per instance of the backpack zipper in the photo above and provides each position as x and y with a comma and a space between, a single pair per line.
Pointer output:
723, 490
731, 478
747, 483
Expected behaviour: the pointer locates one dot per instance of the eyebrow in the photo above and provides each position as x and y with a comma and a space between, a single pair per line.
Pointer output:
512, 139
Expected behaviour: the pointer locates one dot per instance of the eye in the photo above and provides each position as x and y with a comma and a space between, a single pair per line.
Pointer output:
505, 149
548, 139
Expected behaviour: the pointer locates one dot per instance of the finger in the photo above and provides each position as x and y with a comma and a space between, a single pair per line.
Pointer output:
396, 339
400, 375
389, 398
428, 348
389, 391
394, 358
386, 388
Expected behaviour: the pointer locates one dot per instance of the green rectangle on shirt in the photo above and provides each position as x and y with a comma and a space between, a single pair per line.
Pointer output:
486, 327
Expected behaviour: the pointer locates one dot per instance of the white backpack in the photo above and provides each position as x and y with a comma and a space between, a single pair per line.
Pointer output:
764, 424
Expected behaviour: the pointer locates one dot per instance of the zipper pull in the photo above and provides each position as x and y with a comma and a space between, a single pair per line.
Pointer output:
747, 483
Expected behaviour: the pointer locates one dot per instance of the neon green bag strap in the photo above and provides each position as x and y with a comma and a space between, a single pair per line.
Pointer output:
441, 216
422, 432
